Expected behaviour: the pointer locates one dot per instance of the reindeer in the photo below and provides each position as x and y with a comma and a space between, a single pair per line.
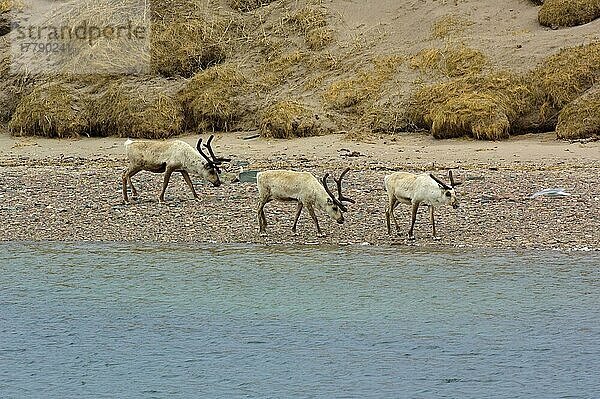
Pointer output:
303, 188
168, 157
411, 189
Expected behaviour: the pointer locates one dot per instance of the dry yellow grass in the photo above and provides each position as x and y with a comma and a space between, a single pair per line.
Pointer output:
555, 13
287, 119
388, 116
452, 61
8, 5
5, 6
566, 75
183, 48
191, 35
308, 17
311, 21
478, 115
248, 5
52, 109
581, 118
280, 68
479, 106
449, 25
212, 97
364, 86
137, 109
318, 38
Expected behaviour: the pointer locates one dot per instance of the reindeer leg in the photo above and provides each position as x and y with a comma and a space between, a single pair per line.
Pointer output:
432, 222
298, 211
389, 213
127, 180
186, 177
311, 211
134, 192
262, 219
168, 173
415, 207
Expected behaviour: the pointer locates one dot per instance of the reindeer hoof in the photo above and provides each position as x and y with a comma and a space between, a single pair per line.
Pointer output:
321, 235
435, 238
262, 234
412, 238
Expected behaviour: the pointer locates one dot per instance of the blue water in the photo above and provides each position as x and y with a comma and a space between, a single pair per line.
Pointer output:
155, 321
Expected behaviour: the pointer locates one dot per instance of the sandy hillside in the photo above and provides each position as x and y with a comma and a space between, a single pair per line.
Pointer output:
506, 31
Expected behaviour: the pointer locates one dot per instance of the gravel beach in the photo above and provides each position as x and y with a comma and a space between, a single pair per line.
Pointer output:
49, 191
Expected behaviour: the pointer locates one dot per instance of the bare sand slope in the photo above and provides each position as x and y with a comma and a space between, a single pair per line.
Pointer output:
506, 31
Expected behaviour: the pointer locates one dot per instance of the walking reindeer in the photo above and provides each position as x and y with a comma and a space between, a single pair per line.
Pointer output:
303, 188
168, 157
414, 189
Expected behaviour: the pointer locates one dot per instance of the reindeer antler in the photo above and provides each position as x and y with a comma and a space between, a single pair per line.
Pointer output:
452, 182
340, 198
335, 200
441, 183
199, 148
339, 187
216, 161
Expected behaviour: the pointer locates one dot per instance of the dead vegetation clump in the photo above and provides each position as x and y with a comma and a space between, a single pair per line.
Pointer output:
563, 77
479, 115
556, 13
280, 68
248, 5
496, 105
6, 6
364, 87
183, 46
52, 109
311, 21
449, 25
581, 118
319, 38
136, 108
389, 115
452, 61
192, 35
482, 107
288, 119
10, 96
212, 97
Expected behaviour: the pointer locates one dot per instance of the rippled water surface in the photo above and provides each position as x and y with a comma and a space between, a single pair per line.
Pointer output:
143, 321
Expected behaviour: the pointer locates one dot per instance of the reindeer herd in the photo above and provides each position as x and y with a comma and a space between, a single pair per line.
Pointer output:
303, 188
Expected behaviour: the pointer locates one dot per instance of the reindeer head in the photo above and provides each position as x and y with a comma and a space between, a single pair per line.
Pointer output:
448, 195
335, 206
210, 170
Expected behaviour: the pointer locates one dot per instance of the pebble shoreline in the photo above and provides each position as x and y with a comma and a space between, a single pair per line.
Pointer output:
79, 199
